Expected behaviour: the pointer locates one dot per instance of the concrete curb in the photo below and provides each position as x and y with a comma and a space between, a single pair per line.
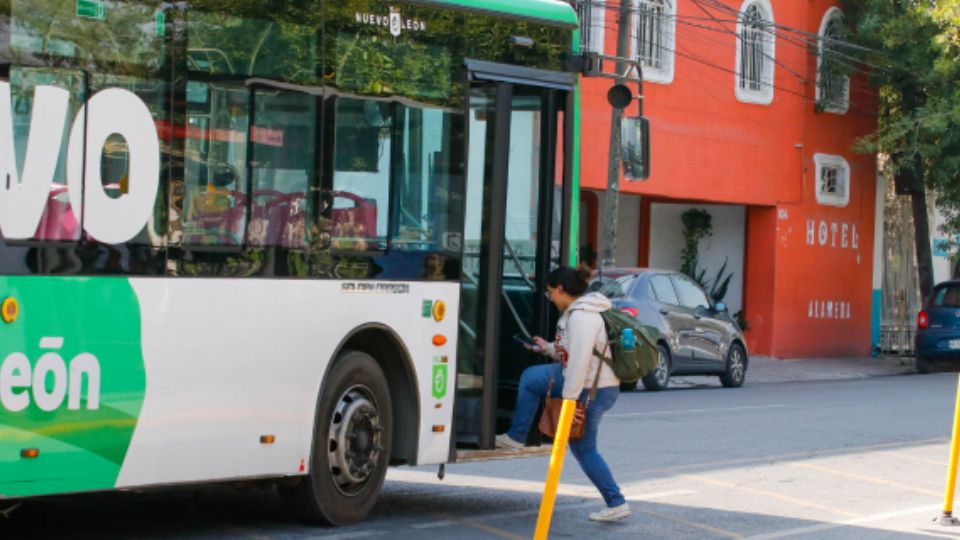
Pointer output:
766, 369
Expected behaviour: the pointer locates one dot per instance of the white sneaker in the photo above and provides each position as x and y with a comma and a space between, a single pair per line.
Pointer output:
611, 514
504, 441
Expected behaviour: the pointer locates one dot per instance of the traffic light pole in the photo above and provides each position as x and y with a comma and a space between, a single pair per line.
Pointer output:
612, 196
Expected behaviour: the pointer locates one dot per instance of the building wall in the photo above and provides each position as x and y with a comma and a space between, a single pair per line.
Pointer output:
627, 253
802, 298
724, 246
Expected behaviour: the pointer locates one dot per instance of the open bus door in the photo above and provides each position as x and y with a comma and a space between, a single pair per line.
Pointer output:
516, 231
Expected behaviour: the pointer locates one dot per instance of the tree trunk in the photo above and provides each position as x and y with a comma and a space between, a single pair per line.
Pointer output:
921, 230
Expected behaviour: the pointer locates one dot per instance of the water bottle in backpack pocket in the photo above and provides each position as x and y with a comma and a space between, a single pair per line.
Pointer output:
633, 350
628, 341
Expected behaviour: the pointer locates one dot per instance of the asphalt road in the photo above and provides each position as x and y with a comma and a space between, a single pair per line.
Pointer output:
831, 459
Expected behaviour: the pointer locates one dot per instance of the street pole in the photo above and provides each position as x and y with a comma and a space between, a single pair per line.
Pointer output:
612, 198
947, 518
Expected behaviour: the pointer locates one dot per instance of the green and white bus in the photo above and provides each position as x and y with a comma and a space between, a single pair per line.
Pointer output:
279, 241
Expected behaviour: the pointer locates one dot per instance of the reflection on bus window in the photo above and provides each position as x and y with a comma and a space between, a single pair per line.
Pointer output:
224, 44
361, 180
51, 28
284, 168
390, 151
58, 221
214, 190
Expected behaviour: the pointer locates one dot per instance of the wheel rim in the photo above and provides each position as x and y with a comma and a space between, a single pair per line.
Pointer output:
355, 440
662, 371
736, 365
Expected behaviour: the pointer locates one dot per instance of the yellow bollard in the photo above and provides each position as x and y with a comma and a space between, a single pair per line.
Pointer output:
553, 472
947, 517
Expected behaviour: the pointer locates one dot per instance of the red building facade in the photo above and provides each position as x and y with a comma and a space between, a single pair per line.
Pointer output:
742, 113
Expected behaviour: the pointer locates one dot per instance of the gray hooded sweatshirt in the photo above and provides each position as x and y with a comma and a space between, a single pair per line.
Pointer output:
580, 330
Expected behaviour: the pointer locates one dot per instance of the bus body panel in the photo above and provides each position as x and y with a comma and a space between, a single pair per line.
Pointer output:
216, 363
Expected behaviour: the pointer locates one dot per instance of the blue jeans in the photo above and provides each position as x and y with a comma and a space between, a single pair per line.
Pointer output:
533, 387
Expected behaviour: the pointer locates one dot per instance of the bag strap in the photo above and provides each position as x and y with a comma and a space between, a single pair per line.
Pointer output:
550, 384
596, 380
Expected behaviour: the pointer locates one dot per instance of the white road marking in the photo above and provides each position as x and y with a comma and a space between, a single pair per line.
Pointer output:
632, 492
520, 486
485, 482
433, 524
593, 503
353, 534
696, 411
845, 523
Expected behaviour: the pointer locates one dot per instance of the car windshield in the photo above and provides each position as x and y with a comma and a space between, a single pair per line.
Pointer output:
612, 287
947, 296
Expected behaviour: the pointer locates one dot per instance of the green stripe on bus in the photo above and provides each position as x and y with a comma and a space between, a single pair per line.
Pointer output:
553, 11
72, 383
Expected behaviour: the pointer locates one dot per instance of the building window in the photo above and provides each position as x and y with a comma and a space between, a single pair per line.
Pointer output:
654, 25
833, 80
833, 180
591, 14
755, 53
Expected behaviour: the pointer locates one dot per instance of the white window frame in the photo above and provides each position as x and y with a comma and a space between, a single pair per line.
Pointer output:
828, 17
664, 73
764, 96
595, 27
822, 161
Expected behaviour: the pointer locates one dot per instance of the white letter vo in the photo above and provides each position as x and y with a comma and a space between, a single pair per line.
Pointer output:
112, 111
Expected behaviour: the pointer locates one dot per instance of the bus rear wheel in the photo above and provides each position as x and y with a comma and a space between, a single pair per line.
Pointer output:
351, 445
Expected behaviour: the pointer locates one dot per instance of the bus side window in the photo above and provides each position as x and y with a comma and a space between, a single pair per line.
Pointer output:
214, 187
361, 177
284, 168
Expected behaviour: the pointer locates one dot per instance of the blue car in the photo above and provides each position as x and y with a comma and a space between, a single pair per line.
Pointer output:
938, 326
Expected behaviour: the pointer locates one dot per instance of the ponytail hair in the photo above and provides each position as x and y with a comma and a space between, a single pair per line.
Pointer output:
573, 280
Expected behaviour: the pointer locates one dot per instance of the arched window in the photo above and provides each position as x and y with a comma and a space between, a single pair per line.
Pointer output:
654, 25
833, 80
755, 52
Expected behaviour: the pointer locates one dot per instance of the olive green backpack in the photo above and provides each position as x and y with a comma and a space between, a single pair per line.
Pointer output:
629, 365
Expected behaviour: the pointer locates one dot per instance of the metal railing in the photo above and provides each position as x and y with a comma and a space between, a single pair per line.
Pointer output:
896, 339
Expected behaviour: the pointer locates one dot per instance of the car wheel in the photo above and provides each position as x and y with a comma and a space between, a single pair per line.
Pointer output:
923, 364
659, 378
351, 445
736, 370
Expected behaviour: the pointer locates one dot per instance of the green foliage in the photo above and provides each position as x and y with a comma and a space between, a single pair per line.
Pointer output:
716, 288
914, 48
697, 224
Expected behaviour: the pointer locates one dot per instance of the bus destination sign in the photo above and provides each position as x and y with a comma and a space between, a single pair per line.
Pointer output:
394, 21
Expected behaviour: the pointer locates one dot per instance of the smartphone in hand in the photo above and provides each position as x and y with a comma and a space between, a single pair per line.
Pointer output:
528, 343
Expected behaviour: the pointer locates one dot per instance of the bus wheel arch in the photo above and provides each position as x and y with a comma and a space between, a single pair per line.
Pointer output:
384, 346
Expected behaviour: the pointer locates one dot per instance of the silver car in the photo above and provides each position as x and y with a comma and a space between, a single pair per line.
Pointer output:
697, 337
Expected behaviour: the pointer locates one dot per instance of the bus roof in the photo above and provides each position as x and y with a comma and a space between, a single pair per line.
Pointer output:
551, 11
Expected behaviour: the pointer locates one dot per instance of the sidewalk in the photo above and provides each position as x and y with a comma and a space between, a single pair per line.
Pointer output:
765, 369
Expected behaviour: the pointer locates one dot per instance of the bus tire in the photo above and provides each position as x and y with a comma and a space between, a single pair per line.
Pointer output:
351, 445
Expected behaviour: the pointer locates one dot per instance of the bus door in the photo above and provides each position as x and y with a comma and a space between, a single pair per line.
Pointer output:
513, 236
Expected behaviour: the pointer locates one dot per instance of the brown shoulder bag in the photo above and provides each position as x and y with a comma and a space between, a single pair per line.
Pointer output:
550, 419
